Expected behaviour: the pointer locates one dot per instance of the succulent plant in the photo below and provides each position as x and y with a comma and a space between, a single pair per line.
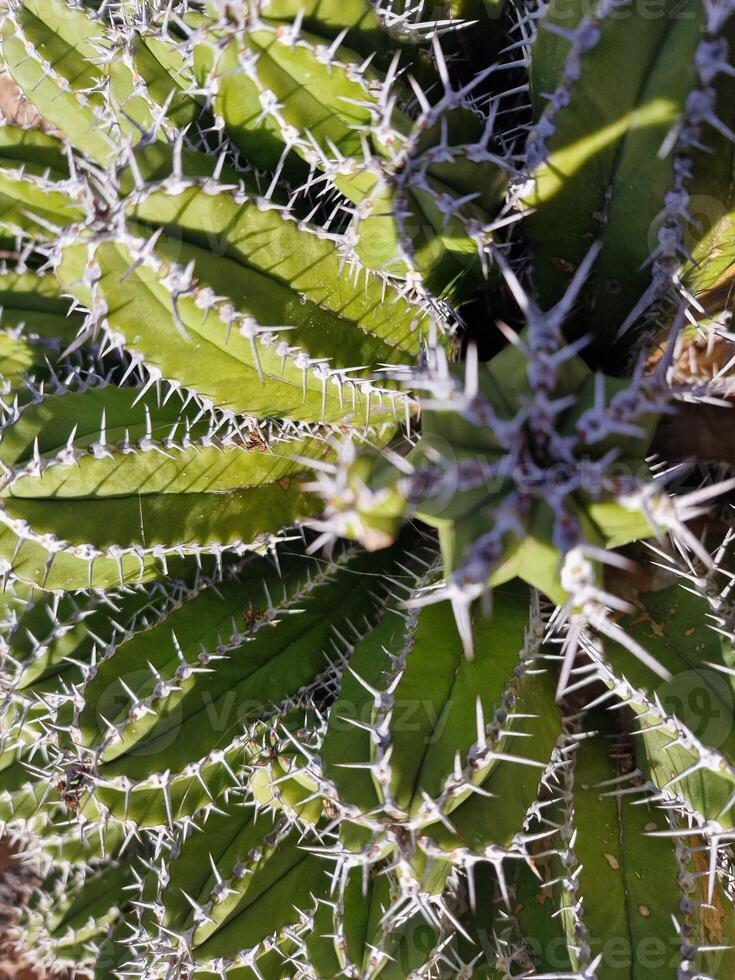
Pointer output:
366, 532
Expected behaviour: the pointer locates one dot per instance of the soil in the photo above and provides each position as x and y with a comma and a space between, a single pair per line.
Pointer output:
14, 889
13, 106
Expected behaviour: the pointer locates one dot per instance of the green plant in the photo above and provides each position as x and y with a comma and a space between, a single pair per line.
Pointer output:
365, 522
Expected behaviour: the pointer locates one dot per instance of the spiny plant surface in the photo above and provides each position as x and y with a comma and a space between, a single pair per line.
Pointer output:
366, 530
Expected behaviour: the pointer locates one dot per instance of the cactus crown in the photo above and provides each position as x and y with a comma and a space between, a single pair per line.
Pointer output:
365, 523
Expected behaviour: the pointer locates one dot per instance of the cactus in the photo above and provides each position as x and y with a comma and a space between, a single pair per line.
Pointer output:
668, 236
365, 489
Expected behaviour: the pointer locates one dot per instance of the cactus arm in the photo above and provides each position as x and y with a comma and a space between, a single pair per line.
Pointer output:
588, 146
632, 215
171, 799
265, 240
51, 647
66, 36
52, 419
284, 885
148, 313
229, 375
236, 865
661, 918
236, 105
48, 48
66, 63
271, 302
320, 99
72, 930
329, 19
610, 840
434, 733
589, 137
685, 739
229, 838
200, 469
156, 480
299, 640
448, 688
87, 626
285, 96
482, 823
286, 650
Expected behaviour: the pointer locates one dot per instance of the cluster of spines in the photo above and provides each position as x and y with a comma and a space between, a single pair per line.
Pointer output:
546, 352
